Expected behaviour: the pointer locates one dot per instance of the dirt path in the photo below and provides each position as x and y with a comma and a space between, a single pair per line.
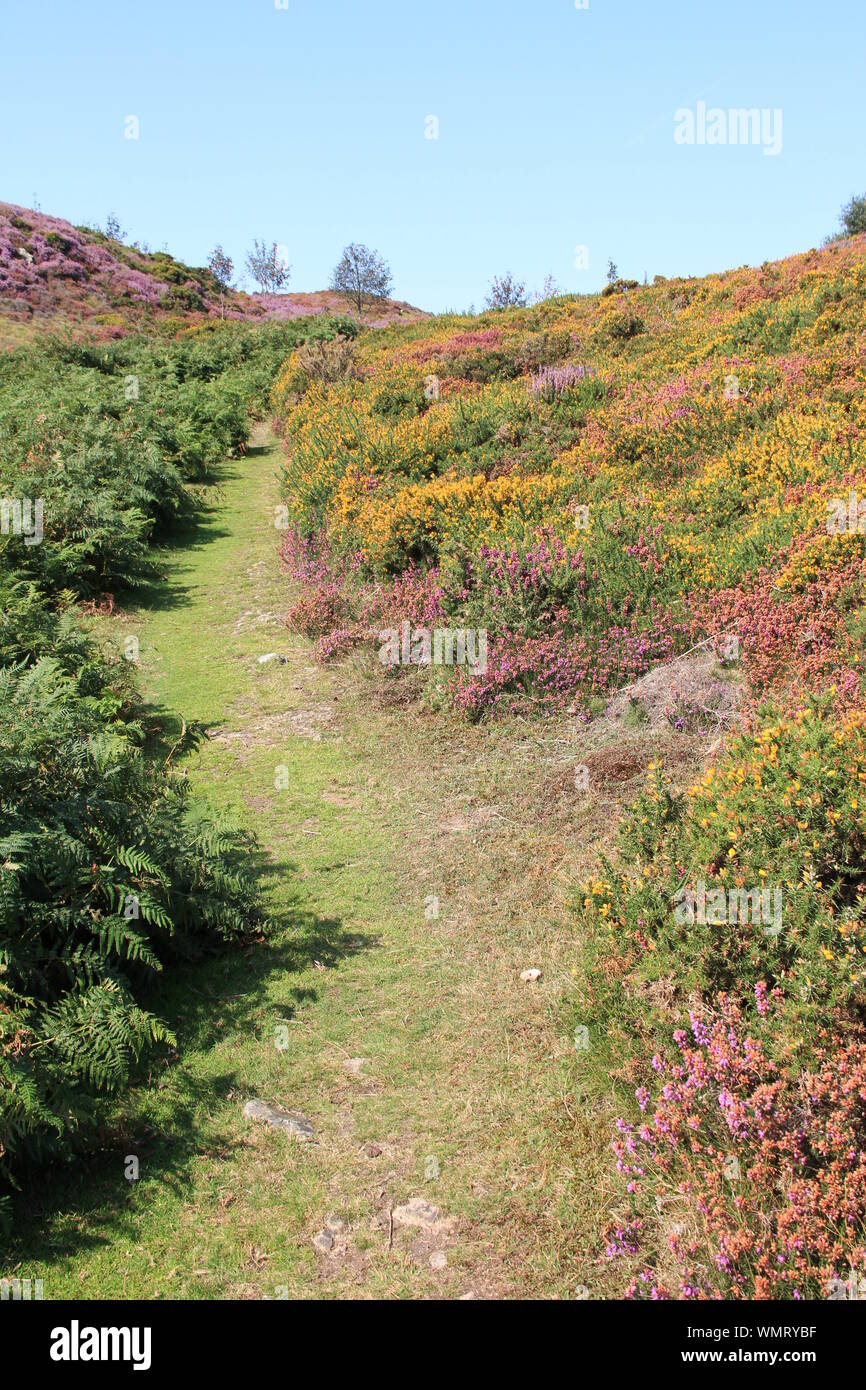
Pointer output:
415, 866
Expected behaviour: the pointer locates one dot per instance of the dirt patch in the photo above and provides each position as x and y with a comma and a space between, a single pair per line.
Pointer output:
270, 729
610, 770
617, 763
337, 1256
255, 617
340, 798
464, 822
400, 690
311, 723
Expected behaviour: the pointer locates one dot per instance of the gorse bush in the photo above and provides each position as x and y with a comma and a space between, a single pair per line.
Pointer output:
754, 878
741, 908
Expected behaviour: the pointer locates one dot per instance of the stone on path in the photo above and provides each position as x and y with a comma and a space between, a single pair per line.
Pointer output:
324, 1242
530, 976
438, 1260
416, 1212
290, 1121
272, 656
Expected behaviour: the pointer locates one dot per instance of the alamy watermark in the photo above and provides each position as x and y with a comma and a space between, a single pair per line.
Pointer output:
441, 646
77, 1343
846, 515
716, 907
20, 1290
854, 1287
731, 389
739, 125
22, 517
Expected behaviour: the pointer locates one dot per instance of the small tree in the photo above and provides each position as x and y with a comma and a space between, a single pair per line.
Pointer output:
361, 274
612, 273
505, 293
268, 270
853, 216
549, 290
221, 268
113, 228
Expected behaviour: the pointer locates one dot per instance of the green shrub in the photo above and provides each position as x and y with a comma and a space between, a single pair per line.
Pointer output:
106, 876
780, 814
110, 436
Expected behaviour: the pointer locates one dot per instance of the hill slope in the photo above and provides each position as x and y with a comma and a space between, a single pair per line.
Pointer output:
648, 503
53, 275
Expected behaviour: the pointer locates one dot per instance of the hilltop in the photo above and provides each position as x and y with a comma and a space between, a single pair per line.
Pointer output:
54, 274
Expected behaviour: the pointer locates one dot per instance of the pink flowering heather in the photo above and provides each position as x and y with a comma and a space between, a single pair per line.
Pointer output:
307, 558
773, 1163
550, 382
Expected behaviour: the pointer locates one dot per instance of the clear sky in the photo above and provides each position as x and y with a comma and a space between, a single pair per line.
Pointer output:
305, 125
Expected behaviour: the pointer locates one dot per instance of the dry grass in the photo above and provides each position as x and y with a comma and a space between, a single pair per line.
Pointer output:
497, 828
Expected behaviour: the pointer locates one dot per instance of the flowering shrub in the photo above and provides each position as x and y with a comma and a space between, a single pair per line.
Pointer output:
556, 670
551, 382
782, 813
521, 587
596, 522
773, 1164
319, 612
702, 465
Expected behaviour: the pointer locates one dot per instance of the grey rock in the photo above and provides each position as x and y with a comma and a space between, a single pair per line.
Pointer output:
272, 656
292, 1122
324, 1242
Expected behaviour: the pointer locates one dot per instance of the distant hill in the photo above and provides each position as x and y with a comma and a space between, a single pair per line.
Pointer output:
53, 275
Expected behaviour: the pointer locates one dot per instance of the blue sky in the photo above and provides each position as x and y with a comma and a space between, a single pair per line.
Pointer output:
306, 125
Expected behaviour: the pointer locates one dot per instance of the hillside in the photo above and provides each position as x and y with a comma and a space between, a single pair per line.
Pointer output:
642, 511
447, 744
55, 276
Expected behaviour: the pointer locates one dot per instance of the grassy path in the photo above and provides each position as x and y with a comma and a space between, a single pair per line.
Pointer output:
468, 1094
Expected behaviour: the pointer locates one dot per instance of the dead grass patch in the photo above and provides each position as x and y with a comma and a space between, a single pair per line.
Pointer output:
695, 680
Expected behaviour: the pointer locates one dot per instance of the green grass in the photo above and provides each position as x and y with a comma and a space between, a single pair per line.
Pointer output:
472, 1089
